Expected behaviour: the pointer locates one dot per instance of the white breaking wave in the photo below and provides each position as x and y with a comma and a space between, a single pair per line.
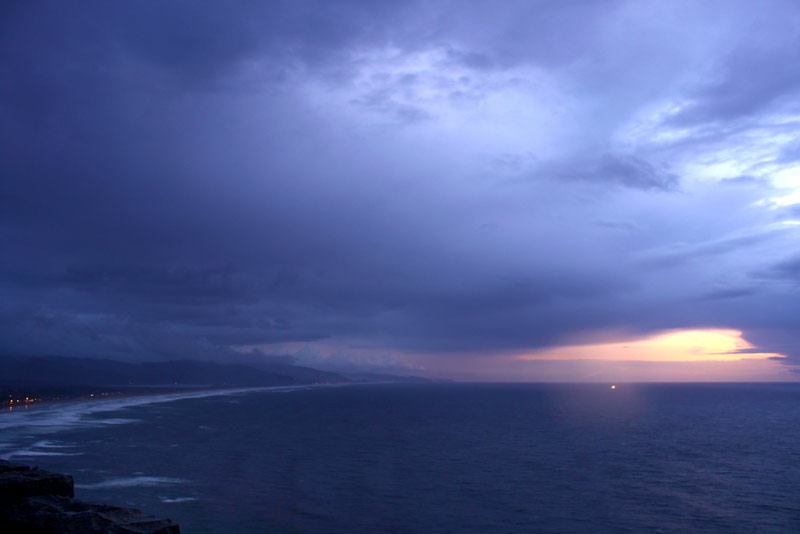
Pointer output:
132, 482
115, 421
47, 444
40, 448
29, 452
178, 499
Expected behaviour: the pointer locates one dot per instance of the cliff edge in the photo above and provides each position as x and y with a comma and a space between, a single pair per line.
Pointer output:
39, 502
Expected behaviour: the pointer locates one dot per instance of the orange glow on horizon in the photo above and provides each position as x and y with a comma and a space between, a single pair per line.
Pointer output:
672, 346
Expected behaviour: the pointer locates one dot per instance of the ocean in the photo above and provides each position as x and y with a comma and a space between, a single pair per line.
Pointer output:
434, 458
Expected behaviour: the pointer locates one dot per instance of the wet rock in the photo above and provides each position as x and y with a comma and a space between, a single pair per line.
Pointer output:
38, 502
59, 515
20, 481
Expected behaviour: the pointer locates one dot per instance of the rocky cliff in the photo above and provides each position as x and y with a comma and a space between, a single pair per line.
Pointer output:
38, 502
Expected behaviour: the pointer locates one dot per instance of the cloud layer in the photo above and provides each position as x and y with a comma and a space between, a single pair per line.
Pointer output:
415, 180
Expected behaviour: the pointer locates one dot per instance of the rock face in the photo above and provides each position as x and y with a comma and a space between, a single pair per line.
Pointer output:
38, 502
18, 482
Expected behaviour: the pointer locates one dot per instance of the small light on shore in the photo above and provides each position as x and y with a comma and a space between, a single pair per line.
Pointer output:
613, 387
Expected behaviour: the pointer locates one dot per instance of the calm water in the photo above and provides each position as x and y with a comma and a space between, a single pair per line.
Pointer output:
435, 458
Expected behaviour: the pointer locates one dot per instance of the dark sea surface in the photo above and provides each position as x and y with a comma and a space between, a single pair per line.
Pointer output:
435, 457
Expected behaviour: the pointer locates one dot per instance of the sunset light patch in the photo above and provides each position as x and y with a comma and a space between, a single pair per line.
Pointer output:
671, 346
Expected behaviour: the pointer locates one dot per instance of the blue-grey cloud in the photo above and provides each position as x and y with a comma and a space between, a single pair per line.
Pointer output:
788, 269
407, 177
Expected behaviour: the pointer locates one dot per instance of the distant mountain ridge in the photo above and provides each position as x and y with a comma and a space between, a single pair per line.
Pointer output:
70, 371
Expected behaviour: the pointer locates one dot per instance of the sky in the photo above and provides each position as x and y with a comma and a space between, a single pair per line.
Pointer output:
540, 190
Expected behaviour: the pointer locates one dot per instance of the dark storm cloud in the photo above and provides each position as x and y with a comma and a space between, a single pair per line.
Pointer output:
788, 270
702, 251
621, 169
749, 81
182, 179
196, 42
728, 293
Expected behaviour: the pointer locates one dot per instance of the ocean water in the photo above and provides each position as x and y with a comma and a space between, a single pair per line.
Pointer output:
435, 457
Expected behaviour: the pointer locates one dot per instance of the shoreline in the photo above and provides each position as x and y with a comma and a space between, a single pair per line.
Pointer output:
102, 394
39, 398
148, 394
44, 418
